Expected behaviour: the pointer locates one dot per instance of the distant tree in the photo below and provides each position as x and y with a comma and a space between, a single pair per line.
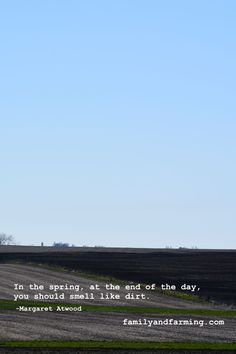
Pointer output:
6, 239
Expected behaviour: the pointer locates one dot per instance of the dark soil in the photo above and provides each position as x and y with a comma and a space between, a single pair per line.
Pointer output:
214, 271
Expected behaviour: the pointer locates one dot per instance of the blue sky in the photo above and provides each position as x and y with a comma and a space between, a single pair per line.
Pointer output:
117, 122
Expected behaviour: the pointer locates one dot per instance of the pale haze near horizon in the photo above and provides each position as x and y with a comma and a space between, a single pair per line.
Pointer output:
117, 122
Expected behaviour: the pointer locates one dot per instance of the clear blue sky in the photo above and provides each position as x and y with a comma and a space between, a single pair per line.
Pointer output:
118, 122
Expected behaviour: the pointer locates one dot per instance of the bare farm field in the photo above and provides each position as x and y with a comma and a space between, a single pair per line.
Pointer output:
214, 271
103, 320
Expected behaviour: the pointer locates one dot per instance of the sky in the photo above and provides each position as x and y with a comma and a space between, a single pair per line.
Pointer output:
118, 122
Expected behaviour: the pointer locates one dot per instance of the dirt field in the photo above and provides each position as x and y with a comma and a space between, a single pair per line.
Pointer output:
12, 273
97, 325
214, 271
104, 326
